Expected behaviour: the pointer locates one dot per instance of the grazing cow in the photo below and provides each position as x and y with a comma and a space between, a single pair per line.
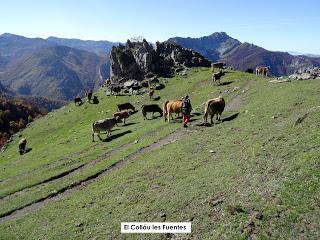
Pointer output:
262, 71
151, 108
217, 76
219, 65
213, 107
104, 125
22, 146
115, 89
89, 95
171, 106
78, 100
122, 115
95, 100
151, 92
126, 106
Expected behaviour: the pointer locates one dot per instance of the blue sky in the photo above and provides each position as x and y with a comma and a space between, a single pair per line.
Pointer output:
273, 24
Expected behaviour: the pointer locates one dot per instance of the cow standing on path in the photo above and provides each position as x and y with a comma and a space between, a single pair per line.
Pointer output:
171, 106
213, 107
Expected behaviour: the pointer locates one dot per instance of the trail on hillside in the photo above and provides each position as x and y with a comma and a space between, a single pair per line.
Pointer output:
232, 105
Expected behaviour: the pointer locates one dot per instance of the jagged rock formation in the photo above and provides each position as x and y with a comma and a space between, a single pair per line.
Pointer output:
137, 60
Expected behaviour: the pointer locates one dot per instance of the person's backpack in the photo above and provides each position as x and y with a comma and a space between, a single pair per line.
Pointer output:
186, 105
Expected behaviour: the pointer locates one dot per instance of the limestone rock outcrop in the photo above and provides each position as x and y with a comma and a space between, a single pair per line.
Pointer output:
139, 60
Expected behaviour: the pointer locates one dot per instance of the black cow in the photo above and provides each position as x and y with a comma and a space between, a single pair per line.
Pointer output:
78, 100
151, 108
125, 106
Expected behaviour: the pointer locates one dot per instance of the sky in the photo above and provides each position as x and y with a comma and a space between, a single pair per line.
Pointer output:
280, 25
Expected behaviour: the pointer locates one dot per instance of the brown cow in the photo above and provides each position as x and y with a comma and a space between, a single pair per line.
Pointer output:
22, 146
262, 71
213, 107
122, 115
151, 92
171, 106
217, 76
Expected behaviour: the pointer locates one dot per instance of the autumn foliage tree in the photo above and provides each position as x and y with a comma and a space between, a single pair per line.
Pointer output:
14, 116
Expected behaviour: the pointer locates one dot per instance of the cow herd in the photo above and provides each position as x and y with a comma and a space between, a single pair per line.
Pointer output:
213, 107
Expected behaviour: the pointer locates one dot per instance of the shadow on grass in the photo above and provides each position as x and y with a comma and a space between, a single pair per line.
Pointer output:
112, 137
28, 150
155, 117
227, 119
225, 83
157, 98
129, 124
230, 118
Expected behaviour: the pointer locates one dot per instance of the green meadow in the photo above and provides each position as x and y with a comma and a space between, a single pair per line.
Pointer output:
253, 175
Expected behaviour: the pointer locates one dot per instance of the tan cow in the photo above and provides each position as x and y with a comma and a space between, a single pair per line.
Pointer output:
171, 106
213, 107
262, 71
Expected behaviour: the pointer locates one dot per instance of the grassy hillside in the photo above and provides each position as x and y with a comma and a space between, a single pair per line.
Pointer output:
255, 174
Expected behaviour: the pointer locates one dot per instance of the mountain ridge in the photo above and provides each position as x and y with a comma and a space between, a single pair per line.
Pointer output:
246, 55
38, 67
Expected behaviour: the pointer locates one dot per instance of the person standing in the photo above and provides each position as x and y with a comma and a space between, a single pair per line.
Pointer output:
186, 110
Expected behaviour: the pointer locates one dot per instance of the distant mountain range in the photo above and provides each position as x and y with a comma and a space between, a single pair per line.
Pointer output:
221, 47
53, 68
304, 54
61, 69
98, 47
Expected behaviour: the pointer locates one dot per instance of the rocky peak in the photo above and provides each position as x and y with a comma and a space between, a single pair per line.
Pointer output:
135, 60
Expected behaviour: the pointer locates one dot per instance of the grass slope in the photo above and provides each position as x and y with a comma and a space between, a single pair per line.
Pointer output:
261, 178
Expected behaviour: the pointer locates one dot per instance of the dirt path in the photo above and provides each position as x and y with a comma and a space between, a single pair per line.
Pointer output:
80, 167
233, 104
